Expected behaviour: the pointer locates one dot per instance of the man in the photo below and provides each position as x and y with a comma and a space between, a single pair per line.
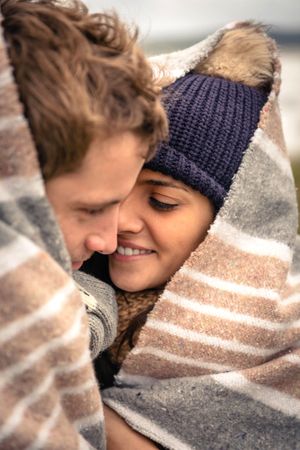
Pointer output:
108, 108
88, 99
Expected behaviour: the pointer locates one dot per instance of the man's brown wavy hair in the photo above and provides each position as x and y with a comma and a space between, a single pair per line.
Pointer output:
79, 76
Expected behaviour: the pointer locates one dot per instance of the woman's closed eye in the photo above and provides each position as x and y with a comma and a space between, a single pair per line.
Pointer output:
162, 206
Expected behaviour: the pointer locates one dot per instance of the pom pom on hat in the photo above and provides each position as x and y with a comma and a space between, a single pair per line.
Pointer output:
211, 123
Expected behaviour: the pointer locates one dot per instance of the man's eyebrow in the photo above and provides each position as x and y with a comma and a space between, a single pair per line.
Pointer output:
164, 183
95, 205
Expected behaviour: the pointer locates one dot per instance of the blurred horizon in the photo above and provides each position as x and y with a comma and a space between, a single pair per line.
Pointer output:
166, 19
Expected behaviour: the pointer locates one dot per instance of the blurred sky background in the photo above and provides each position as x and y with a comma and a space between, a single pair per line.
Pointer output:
173, 24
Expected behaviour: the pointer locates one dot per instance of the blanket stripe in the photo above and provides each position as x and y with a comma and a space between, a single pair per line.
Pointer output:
246, 243
20, 187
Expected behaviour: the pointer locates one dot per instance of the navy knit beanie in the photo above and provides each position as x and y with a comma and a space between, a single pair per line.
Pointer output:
211, 122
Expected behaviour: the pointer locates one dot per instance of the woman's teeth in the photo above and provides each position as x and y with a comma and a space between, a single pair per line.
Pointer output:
127, 251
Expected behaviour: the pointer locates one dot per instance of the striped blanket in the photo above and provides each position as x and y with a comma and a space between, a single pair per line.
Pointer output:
217, 364
49, 395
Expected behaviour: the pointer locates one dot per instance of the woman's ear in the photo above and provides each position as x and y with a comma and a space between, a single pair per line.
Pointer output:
244, 54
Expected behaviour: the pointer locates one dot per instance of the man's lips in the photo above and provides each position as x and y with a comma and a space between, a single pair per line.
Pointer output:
77, 264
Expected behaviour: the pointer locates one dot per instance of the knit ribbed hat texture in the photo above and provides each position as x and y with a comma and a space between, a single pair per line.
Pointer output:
211, 122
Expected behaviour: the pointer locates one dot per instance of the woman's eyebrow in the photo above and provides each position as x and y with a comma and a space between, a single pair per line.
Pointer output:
153, 182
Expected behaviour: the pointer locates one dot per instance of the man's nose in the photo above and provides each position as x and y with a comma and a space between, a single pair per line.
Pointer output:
104, 238
104, 241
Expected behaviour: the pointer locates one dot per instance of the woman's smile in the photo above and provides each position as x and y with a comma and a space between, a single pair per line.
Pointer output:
130, 252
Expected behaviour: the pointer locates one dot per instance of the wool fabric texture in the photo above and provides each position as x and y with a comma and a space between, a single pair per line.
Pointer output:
212, 121
130, 305
101, 307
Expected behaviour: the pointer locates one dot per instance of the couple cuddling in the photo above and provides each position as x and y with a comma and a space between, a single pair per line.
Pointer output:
200, 245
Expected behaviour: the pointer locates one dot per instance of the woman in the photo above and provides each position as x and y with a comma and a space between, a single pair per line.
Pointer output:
207, 353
